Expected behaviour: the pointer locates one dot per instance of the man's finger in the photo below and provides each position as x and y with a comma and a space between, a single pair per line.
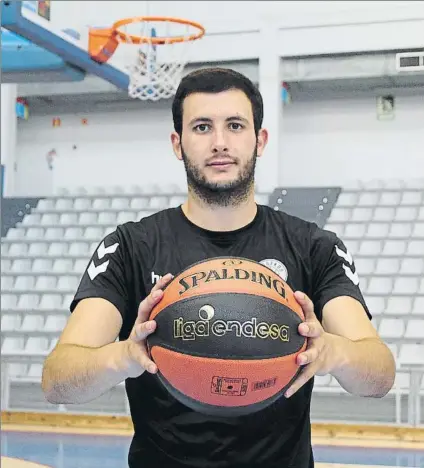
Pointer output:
308, 356
306, 375
162, 282
142, 330
306, 304
311, 329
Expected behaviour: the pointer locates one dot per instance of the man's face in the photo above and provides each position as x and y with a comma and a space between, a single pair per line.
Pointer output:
219, 146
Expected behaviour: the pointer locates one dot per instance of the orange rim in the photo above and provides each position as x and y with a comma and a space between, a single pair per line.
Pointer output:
156, 40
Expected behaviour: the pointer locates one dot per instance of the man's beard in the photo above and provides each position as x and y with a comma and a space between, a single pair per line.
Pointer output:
221, 194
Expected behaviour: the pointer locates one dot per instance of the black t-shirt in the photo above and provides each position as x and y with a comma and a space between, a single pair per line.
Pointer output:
124, 269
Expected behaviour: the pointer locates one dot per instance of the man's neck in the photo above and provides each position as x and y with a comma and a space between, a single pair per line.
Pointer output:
217, 218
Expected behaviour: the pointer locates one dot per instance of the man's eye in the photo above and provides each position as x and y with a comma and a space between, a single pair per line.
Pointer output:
235, 126
202, 128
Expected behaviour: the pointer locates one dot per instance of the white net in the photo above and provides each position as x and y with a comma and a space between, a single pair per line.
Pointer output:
157, 70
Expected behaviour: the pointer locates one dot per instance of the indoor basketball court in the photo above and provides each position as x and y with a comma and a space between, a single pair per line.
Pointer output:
72, 65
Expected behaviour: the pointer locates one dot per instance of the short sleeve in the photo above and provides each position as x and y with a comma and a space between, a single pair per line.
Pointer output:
333, 271
106, 276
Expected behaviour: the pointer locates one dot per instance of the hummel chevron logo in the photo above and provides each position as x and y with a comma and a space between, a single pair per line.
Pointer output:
93, 270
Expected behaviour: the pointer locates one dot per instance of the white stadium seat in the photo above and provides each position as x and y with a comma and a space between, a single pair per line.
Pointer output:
415, 247
413, 266
404, 213
100, 204
139, 203
106, 218
370, 247
68, 219
411, 354
415, 329
347, 199
35, 371
418, 230
67, 283
418, 306
27, 302
36, 345
32, 323
391, 328
119, 204
390, 198
24, 283
356, 231
379, 230
88, 219
9, 301
33, 219
42, 265
58, 249
93, 233
34, 233
360, 214
400, 229
82, 204
45, 205
126, 216
379, 285
72, 233
398, 305
50, 302
21, 265
46, 283
414, 197
394, 247
38, 249
18, 250
405, 285
386, 266
64, 204
368, 199
12, 345
50, 219
80, 265
78, 249
55, 323
10, 322
62, 265
376, 304
54, 233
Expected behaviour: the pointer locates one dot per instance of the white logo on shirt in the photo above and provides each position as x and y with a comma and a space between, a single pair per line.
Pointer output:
277, 267
93, 270
348, 270
155, 277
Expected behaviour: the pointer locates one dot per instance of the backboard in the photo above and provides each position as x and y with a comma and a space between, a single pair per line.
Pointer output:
27, 24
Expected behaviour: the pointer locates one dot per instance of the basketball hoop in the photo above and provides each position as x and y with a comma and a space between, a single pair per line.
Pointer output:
161, 48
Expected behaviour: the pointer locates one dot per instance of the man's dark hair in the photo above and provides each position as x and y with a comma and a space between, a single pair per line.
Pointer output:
216, 80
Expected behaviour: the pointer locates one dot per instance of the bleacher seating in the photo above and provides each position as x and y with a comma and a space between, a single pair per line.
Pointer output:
44, 256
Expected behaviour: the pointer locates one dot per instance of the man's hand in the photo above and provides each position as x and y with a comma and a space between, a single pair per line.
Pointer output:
319, 356
139, 359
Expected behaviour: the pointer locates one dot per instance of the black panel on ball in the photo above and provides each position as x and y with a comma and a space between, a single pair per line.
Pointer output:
228, 326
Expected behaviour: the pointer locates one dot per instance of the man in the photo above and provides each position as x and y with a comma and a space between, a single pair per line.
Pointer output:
218, 135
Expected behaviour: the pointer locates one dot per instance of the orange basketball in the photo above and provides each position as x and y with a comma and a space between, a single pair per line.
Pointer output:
227, 336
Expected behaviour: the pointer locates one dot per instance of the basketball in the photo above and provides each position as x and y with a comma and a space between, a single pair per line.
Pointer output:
226, 339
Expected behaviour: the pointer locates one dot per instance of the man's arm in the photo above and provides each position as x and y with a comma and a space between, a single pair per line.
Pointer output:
86, 362
363, 365
345, 346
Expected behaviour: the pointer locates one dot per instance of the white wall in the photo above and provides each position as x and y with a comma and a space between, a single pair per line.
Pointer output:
115, 148
333, 142
322, 143
305, 28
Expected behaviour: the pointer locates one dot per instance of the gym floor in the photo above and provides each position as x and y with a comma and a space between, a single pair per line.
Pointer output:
61, 450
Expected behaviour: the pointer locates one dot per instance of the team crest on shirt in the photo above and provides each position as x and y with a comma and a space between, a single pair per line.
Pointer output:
276, 266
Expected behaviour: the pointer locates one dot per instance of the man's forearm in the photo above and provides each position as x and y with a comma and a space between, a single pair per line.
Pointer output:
364, 367
76, 374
